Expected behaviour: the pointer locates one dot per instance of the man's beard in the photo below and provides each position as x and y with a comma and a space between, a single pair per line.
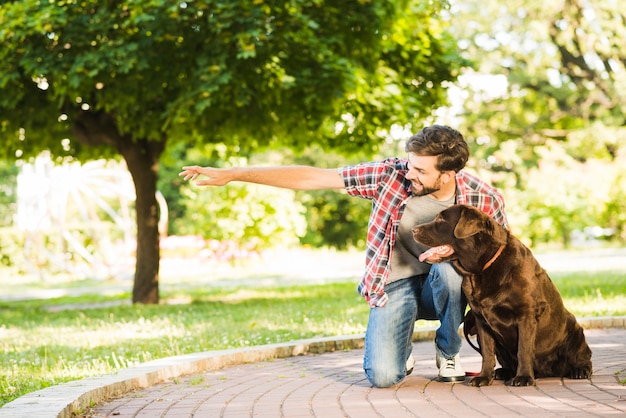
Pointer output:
428, 190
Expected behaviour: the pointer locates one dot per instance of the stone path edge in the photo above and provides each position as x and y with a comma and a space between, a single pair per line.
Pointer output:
69, 399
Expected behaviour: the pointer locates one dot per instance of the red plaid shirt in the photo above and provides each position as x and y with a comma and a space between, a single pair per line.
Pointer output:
384, 183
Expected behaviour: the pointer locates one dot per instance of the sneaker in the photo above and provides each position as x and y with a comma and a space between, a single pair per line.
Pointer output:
410, 363
450, 370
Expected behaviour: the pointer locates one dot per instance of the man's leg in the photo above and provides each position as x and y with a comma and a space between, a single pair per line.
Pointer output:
388, 343
442, 298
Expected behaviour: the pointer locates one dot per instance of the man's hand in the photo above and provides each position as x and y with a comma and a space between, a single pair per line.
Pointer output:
214, 176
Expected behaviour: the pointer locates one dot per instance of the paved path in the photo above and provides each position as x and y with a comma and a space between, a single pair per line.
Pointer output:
333, 385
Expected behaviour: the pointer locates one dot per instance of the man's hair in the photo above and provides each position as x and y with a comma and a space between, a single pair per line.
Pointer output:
443, 142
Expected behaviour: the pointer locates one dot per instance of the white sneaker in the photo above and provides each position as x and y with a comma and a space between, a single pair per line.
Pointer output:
410, 363
450, 370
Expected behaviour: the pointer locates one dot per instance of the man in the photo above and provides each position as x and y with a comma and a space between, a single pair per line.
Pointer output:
398, 287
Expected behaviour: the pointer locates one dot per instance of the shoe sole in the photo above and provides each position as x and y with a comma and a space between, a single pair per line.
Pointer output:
451, 379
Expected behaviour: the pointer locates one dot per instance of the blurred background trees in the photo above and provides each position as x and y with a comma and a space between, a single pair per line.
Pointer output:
543, 110
141, 80
535, 87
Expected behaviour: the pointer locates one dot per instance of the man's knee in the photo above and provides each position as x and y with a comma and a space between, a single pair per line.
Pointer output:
384, 377
445, 270
447, 276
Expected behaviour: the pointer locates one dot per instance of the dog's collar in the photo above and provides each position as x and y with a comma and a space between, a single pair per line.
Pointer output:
490, 262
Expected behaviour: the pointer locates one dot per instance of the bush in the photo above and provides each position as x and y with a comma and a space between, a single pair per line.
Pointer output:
254, 216
335, 219
12, 244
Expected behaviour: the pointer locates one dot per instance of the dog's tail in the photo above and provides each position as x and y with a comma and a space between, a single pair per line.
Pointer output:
470, 329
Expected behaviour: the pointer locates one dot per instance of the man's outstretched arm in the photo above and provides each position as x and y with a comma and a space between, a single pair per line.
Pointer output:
296, 177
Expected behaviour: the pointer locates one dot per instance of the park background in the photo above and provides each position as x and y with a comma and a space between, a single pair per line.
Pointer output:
102, 103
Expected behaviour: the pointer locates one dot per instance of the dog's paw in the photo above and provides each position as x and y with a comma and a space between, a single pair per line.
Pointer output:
480, 381
583, 372
522, 381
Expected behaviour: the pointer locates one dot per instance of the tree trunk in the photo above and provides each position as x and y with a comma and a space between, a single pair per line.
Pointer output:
142, 159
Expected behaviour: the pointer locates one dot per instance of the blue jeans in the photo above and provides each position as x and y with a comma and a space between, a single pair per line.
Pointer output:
388, 343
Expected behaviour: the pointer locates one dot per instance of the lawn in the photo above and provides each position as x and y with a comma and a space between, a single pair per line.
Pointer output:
48, 341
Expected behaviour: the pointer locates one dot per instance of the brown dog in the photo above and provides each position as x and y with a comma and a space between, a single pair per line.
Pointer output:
520, 316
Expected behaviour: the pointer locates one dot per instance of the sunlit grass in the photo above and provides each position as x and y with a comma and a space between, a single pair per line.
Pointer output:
593, 293
43, 343
47, 342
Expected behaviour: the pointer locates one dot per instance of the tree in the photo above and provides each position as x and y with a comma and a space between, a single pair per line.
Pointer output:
561, 68
563, 61
8, 200
91, 78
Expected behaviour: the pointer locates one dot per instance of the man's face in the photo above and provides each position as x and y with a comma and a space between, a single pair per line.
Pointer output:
425, 178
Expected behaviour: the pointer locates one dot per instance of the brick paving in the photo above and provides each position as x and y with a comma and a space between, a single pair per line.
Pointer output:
332, 385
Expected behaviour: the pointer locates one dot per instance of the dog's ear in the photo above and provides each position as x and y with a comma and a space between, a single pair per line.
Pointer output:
470, 223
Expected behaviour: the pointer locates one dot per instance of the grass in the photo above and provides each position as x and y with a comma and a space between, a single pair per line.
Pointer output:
45, 342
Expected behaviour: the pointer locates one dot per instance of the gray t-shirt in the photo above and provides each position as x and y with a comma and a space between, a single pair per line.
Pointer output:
404, 257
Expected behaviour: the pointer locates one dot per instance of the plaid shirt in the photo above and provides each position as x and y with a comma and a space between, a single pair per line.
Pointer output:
384, 183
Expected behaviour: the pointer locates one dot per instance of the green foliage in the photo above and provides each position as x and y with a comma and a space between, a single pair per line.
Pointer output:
549, 76
572, 199
245, 73
255, 217
565, 58
169, 184
12, 242
332, 218
91, 78
8, 192
615, 214
335, 220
